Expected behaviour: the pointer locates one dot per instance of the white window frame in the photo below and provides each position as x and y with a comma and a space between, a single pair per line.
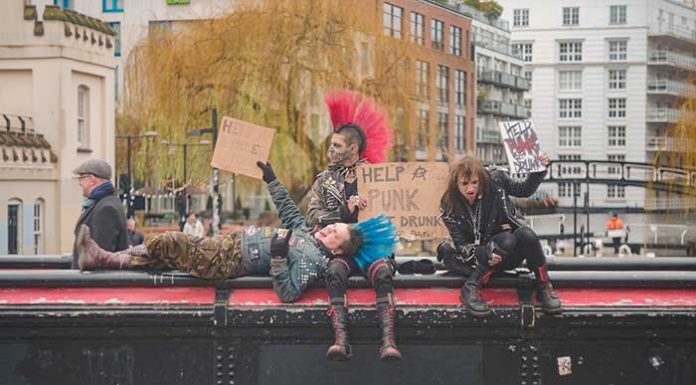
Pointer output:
39, 214
570, 108
520, 17
570, 80
571, 16
617, 79
570, 136
616, 108
617, 14
616, 136
615, 191
570, 51
82, 113
618, 49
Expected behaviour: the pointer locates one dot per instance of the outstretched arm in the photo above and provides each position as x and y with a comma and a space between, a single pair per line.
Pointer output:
287, 209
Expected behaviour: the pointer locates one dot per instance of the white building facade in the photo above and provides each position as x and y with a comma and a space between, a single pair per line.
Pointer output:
608, 79
56, 111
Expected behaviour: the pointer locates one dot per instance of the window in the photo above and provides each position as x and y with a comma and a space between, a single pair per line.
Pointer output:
116, 26
417, 28
38, 227
422, 76
528, 76
436, 28
423, 123
564, 189
570, 80
82, 117
571, 15
460, 87
569, 136
570, 51
528, 104
617, 107
442, 84
112, 5
65, 4
443, 132
617, 14
459, 132
455, 41
520, 17
615, 191
617, 79
570, 108
392, 20
14, 226
617, 136
617, 49
523, 50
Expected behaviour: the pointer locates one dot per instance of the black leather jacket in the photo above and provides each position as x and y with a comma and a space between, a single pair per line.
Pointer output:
498, 212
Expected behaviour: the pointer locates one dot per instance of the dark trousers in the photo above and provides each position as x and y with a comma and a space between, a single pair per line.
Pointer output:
616, 242
380, 274
513, 247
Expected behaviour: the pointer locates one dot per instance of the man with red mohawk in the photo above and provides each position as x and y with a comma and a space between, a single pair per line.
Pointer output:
361, 134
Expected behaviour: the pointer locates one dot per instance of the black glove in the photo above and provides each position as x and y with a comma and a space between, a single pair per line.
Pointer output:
445, 250
279, 243
268, 174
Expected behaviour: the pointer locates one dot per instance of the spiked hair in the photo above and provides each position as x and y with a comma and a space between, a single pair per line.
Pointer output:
351, 111
375, 238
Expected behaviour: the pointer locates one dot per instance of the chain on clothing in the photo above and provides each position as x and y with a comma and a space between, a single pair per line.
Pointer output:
217, 257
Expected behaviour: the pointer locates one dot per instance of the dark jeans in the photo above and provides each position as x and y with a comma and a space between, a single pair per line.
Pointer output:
380, 274
513, 247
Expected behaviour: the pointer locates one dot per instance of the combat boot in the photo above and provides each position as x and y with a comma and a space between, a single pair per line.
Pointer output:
93, 257
386, 313
550, 303
470, 295
340, 350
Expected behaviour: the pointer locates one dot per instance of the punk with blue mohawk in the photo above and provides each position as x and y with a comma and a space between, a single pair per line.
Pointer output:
377, 237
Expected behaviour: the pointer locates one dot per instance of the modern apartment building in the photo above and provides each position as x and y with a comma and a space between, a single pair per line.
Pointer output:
445, 81
608, 80
501, 82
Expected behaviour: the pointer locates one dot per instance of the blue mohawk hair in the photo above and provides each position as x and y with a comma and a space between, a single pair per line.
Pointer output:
378, 239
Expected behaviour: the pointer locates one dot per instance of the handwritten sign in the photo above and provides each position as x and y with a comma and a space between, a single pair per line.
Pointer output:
409, 193
522, 146
240, 145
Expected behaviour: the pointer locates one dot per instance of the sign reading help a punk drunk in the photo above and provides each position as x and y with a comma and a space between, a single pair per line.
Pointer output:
522, 146
240, 145
409, 193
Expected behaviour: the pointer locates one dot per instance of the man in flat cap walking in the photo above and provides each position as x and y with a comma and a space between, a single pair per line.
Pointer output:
102, 211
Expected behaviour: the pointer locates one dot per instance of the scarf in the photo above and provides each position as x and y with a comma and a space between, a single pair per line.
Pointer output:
99, 192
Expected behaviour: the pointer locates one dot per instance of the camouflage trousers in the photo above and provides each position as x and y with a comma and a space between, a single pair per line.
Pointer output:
217, 257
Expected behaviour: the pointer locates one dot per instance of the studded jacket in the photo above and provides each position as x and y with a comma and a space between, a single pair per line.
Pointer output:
497, 212
329, 197
306, 260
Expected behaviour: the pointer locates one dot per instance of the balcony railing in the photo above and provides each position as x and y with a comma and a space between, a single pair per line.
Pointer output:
503, 47
672, 58
504, 109
504, 79
657, 143
487, 136
662, 29
663, 115
673, 87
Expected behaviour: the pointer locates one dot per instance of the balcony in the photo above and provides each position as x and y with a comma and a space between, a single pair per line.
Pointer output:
488, 136
659, 143
662, 115
680, 60
503, 47
675, 32
671, 87
503, 79
503, 109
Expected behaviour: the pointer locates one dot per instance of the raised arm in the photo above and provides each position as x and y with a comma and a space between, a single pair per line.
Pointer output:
287, 209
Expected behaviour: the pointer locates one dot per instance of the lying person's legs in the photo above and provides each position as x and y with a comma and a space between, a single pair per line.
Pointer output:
208, 258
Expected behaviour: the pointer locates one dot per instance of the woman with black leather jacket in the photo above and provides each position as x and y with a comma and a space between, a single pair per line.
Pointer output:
488, 234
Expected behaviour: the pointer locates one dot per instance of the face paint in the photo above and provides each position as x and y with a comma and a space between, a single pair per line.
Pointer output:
338, 150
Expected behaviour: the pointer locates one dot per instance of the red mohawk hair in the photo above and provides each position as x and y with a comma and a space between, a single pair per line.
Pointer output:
351, 108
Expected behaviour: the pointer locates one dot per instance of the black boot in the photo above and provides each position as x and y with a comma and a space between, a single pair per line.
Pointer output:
386, 313
550, 303
470, 295
340, 350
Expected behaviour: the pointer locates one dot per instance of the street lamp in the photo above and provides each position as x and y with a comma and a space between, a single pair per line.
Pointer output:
185, 146
216, 173
129, 138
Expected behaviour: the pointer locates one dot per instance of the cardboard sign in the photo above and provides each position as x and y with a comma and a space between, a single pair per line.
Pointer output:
409, 193
521, 146
240, 145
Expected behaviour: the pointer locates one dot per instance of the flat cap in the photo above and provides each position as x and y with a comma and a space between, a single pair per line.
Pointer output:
96, 167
